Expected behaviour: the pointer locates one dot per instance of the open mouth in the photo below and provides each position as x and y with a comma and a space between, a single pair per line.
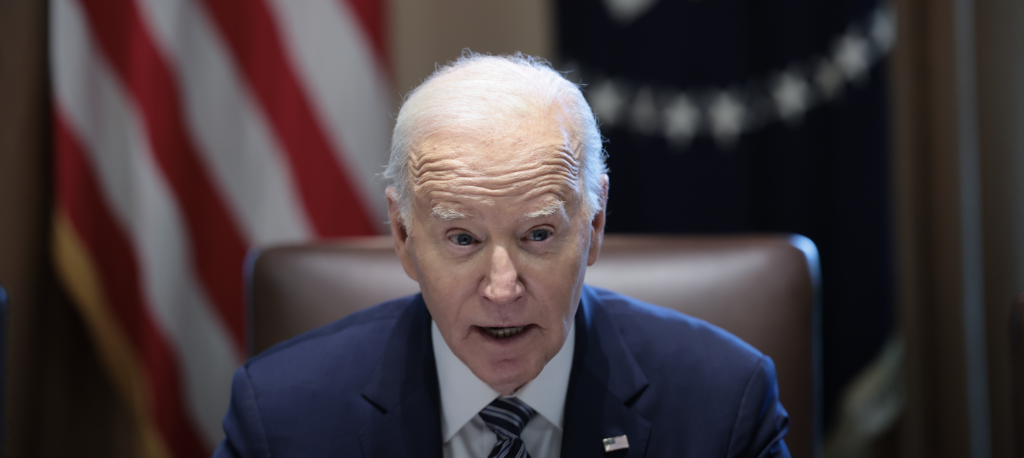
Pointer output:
504, 333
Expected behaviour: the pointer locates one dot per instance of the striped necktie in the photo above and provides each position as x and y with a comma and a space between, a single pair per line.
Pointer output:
507, 417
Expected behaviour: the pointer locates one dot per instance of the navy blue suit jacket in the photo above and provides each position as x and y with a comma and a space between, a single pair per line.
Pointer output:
367, 386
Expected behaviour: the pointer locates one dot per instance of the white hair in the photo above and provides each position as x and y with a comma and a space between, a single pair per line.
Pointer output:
477, 92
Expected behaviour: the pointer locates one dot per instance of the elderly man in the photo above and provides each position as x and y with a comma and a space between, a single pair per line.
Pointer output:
497, 207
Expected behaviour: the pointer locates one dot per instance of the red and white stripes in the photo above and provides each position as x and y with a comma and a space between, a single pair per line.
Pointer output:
186, 132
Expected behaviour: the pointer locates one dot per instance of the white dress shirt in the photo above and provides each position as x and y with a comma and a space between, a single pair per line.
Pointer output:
463, 396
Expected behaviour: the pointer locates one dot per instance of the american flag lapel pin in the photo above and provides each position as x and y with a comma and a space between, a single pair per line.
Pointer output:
612, 444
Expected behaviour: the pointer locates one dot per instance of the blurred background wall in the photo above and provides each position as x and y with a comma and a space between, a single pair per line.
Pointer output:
944, 116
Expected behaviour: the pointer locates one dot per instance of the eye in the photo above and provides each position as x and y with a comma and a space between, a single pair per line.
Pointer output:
462, 239
539, 235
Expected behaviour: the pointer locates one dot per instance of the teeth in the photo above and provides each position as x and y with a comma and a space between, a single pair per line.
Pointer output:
503, 333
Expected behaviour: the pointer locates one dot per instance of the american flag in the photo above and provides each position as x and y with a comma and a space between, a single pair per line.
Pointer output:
186, 132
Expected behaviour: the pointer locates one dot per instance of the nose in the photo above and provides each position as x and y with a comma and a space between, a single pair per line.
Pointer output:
502, 285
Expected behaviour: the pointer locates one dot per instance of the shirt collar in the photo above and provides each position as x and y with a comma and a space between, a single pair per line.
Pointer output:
463, 395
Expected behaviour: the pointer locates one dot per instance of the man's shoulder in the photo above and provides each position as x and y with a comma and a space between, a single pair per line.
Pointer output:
297, 388
354, 343
716, 392
658, 335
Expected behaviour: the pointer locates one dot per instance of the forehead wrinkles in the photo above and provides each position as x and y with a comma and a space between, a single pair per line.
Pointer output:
446, 176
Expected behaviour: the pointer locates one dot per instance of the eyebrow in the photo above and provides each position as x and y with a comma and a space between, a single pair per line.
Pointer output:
548, 210
446, 214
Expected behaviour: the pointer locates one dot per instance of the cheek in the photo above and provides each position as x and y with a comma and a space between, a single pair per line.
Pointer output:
445, 284
444, 272
556, 280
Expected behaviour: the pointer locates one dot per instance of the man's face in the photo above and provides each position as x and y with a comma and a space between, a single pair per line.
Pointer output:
499, 243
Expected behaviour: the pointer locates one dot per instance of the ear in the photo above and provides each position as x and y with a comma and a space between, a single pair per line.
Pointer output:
597, 225
402, 240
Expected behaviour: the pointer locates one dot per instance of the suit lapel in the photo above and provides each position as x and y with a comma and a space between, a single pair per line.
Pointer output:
604, 382
404, 388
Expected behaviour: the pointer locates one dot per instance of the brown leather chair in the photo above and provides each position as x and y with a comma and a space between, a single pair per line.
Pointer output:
764, 289
1017, 371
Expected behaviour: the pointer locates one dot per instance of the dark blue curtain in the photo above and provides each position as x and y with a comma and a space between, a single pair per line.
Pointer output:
752, 116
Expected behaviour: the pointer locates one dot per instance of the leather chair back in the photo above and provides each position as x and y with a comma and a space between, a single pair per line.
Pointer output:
763, 289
